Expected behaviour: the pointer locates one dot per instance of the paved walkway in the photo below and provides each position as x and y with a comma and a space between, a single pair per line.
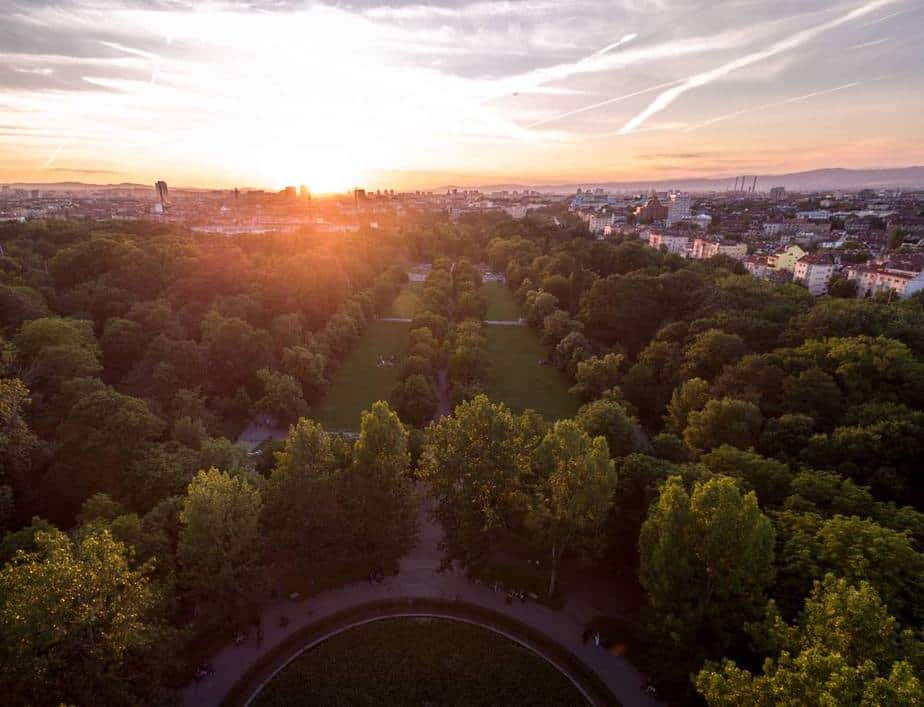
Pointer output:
260, 429
419, 577
487, 322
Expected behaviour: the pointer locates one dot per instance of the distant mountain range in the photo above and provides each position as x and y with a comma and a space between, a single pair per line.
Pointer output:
813, 180
76, 186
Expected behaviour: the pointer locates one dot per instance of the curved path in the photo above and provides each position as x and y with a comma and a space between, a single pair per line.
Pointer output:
419, 577
246, 697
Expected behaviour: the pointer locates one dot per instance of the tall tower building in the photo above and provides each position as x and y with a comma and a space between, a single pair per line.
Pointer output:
161, 188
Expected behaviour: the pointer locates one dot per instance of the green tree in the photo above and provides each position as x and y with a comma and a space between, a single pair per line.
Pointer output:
706, 561
845, 650
307, 367
472, 463
303, 511
380, 495
17, 442
235, 348
220, 542
282, 396
607, 416
725, 421
575, 494
597, 375
709, 352
38, 334
691, 396
842, 287
123, 342
80, 624
102, 435
415, 399
769, 478
538, 306
850, 547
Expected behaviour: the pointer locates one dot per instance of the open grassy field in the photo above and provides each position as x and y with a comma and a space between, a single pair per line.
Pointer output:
501, 303
418, 661
407, 302
516, 378
360, 382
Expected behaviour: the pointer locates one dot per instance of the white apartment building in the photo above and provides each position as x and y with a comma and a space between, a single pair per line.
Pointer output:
598, 222
672, 243
815, 270
872, 279
704, 248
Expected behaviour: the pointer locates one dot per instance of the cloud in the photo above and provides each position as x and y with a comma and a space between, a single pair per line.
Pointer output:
793, 41
677, 156
72, 170
600, 104
609, 61
775, 104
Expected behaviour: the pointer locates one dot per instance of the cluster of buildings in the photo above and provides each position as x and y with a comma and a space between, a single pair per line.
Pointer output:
606, 213
875, 239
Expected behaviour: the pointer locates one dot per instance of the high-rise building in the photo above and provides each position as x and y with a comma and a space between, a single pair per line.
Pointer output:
653, 210
678, 208
304, 192
778, 193
289, 192
161, 188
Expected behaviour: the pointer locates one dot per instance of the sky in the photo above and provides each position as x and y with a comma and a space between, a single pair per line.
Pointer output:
429, 93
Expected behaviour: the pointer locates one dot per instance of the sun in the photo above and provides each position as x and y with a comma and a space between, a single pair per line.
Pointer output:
323, 171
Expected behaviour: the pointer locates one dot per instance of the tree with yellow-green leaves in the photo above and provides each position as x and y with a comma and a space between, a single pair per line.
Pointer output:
219, 550
80, 624
846, 649
574, 494
706, 561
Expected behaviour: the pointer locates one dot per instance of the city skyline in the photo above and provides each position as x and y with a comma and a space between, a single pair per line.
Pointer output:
405, 95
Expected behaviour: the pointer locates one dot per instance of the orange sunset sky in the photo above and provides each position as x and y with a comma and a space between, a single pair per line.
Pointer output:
428, 93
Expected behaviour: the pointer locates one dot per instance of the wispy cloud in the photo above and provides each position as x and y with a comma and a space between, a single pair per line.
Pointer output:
774, 104
601, 104
610, 60
795, 40
72, 170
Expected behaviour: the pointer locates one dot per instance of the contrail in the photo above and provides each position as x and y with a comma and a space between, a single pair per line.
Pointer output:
607, 102
610, 47
607, 60
663, 100
886, 17
872, 43
794, 99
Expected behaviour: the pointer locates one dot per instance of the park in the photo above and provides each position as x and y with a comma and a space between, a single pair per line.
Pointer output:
516, 374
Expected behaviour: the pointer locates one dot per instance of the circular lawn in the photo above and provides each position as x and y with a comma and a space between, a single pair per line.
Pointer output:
418, 661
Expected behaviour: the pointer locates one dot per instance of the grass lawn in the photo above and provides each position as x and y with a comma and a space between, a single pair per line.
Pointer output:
360, 382
419, 661
516, 378
501, 303
407, 302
